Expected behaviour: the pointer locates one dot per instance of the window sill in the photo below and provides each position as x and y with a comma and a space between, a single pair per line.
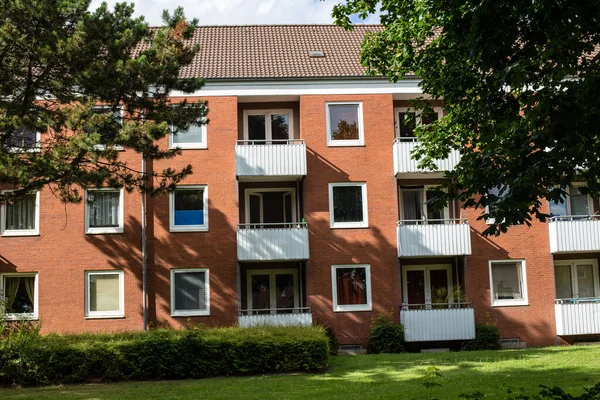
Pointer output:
22, 150
120, 316
20, 317
352, 308
510, 303
16, 233
194, 147
349, 226
190, 313
349, 144
176, 229
103, 147
103, 231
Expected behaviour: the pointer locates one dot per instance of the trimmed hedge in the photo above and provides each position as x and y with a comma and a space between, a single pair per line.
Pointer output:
28, 360
487, 337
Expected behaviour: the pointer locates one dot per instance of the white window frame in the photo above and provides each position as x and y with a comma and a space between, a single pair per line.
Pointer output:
258, 191
573, 264
33, 149
272, 284
438, 110
119, 115
108, 229
202, 144
351, 307
190, 313
423, 190
23, 316
188, 228
105, 314
590, 201
361, 129
427, 281
268, 129
492, 220
20, 232
523, 276
365, 222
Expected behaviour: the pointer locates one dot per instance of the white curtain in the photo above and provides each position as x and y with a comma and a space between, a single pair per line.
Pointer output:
104, 208
21, 214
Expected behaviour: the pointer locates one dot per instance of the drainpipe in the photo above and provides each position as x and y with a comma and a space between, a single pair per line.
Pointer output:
144, 264
457, 277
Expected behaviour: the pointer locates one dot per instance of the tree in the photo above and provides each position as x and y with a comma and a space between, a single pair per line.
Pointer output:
520, 83
91, 83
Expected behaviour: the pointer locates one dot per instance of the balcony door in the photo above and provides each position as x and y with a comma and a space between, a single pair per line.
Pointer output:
270, 206
272, 291
413, 206
576, 279
268, 126
424, 285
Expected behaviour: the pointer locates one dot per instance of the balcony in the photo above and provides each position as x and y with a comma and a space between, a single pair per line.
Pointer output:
280, 317
577, 316
574, 234
270, 159
438, 322
433, 238
272, 242
405, 164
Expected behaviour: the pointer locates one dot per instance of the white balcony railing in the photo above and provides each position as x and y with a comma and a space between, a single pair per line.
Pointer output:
438, 322
573, 234
270, 158
272, 242
577, 316
404, 163
284, 317
433, 238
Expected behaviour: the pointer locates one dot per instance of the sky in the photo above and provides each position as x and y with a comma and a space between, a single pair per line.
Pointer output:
240, 12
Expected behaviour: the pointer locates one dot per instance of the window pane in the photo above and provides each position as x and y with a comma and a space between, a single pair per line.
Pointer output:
431, 214
407, 123
585, 281
428, 117
351, 286
104, 208
261, 292
280, 128
189, 207
23, 138
563, 282
19, 294
192, 135
559, 209
20, 214
285, 291
507, 281
347, 204
412, 205
579, 202
256, 127
343, 120
190, 291
104, 292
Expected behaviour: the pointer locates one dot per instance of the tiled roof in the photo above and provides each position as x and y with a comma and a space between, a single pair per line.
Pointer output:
277, 51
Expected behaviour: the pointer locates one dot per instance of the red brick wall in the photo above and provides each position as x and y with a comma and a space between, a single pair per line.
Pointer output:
375, 245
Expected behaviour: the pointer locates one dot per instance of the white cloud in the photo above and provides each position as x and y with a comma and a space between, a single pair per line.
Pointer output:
239, 12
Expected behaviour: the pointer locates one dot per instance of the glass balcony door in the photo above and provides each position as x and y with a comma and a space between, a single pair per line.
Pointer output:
424, 285
577, 279
272, 291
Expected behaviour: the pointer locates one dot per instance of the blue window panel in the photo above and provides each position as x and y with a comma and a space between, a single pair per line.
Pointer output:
189, 217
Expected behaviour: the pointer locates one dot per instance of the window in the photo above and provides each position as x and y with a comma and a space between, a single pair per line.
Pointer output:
407, 120
494, 195
508, 283
270, 206
272, 291
21, 217
348, 205
106, 130
189, 208
23, 140
20, 295
262, 126
414, 206
190, 292
351, 287
192, 138
574, 203
104, 210
576, 279
104, 294
344, 124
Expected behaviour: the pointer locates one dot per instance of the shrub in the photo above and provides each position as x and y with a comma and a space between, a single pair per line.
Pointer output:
487, 337
161, 354
385, 337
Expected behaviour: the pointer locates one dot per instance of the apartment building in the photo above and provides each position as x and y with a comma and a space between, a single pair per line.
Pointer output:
304, 207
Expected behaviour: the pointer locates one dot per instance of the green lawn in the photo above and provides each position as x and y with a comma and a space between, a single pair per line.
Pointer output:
369, 376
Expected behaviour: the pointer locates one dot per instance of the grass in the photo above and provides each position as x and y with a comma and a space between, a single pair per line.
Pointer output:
386, 376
